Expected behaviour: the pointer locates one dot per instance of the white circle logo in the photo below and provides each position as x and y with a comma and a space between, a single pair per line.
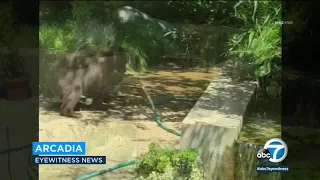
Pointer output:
278, 150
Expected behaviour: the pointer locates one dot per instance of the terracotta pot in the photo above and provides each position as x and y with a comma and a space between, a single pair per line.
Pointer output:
16, 89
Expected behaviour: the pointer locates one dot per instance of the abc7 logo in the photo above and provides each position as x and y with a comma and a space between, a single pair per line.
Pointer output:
263, 155
275, 150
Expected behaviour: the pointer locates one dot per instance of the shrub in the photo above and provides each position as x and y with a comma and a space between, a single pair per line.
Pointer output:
166, 163
256, 51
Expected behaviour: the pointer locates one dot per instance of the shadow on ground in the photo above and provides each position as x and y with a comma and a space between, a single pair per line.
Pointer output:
260, 130
72, 172
173, 93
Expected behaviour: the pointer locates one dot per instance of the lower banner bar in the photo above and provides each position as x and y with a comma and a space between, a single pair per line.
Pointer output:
274, 168
69, 159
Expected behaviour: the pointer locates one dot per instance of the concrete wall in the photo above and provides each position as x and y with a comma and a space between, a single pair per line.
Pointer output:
215, 121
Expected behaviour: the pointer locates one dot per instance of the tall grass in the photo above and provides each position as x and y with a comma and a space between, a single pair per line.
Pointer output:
56, 38
259, 47
256, 51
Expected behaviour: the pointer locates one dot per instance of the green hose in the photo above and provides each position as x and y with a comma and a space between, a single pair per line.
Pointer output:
127, 163
157, 117
94, 174
163, 126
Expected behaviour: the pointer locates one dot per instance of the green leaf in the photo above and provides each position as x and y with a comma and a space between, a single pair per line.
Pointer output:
255, 10
251, 35
241, 54
168, 33
244, 18
273, 90
235, 6
266, 19
263, 70
238, 4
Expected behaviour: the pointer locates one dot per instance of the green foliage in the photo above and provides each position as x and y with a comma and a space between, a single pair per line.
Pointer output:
11, 63
260, 46
54, 41
202, 46
257, 50
144, 44
85, 11
195, 12
150, 41
184, 161
56, 38
6, 30
157, 159
169, 163
253, 12
137, 59
92, 26
27, 37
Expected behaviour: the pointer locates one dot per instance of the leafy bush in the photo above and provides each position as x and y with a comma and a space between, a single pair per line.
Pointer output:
93, 25
58, 39
256, 51
259, 47
7, 32
27, 37
195, 12
166, 163
11, 63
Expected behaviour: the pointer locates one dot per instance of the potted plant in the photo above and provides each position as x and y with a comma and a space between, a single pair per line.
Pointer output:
14, 82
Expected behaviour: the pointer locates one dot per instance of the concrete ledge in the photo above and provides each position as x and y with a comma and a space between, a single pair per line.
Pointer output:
215, 121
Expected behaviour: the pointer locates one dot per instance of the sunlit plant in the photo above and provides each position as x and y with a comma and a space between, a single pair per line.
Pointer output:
258, 48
